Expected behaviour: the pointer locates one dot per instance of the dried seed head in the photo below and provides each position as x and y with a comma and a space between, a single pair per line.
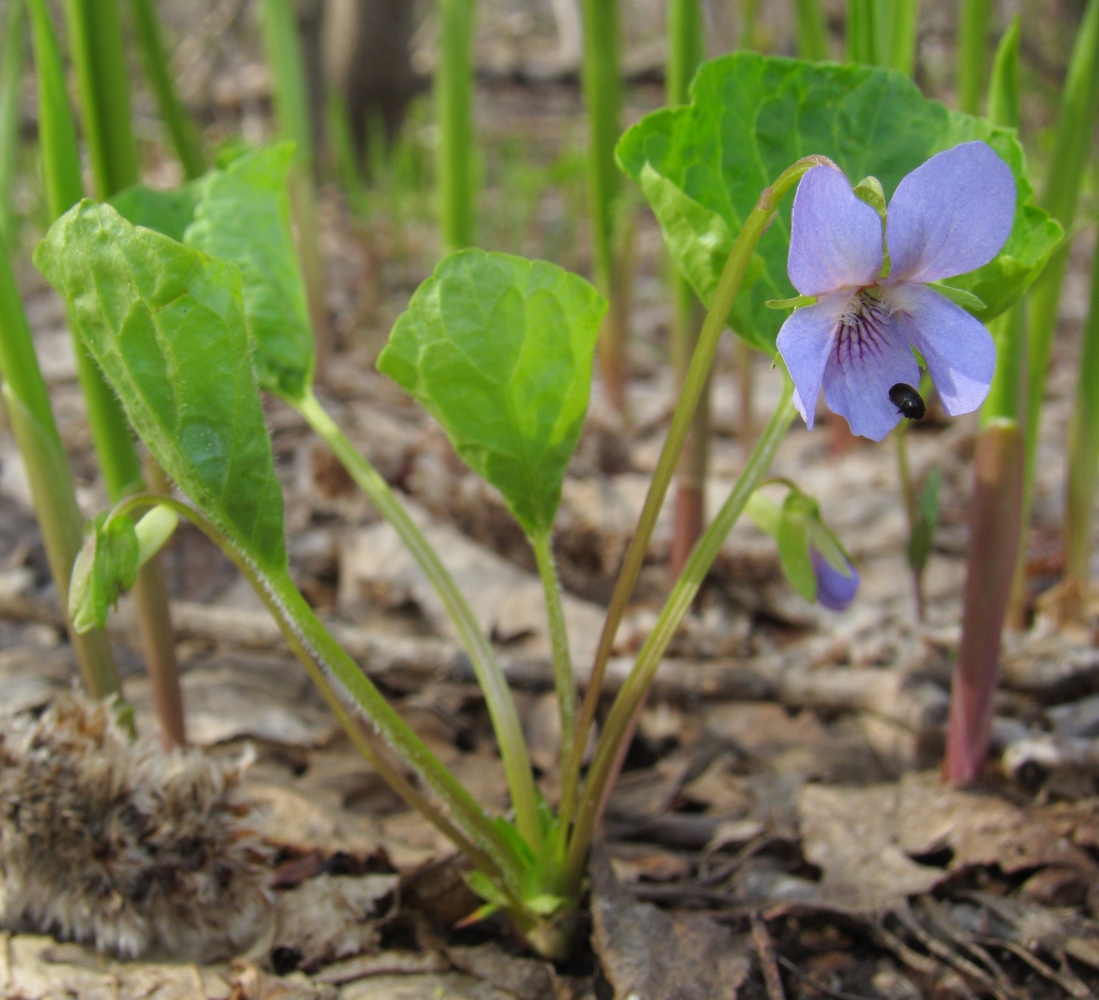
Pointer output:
123, 845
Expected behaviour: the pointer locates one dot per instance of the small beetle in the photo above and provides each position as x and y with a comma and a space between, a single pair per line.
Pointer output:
908, 402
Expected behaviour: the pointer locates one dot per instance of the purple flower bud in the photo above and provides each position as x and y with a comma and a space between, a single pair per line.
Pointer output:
949, 216
835, 589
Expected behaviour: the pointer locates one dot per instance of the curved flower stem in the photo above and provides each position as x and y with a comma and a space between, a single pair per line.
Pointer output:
563, 677
693, 385
908, 494
627, 705
330, 668
490, 675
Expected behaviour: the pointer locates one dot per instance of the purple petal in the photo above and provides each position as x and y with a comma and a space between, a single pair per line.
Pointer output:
951, 215
835, 589
959, 351
804, 342
869, 355
835, 239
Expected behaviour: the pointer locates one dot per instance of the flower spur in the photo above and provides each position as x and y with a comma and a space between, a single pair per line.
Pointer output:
949, 216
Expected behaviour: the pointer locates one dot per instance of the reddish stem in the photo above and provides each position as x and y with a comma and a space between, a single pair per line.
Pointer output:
995, 515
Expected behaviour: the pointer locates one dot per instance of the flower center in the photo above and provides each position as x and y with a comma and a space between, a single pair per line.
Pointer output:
860, 332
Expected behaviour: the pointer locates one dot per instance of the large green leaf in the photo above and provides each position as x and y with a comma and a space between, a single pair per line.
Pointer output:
703, 166
499, 349
167, 212
243, 216
166, 324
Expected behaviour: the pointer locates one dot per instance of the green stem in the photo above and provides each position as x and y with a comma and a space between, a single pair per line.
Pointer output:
11, 79
1076, 119
1083, 451
812, 32
693, 387
49, 475
490, 676
105, 100
902, 50
602, 95
563, 677
908, 493
974, 24
284, 57
180, 126
862, 32
454, 110
330, 667
686, 49
623, 714
99, 55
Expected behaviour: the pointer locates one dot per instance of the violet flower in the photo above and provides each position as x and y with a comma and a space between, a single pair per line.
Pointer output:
835, 589
949, 216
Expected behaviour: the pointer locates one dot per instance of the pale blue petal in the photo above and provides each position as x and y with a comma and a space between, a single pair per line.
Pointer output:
835, 589
835, 239
959, 351
951, 215
866, 360
804, 342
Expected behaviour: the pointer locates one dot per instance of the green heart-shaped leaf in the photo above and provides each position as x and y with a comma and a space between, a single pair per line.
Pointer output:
499, 350
703, 166
166, 324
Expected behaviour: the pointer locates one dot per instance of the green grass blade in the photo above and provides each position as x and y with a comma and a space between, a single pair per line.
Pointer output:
903, 38
454, 111
862, 32
179, 123
51, 483
99, 55
974, 27
812, 32
11, 78
1072, 147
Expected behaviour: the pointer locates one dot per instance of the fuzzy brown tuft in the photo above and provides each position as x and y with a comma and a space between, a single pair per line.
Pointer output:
121, 844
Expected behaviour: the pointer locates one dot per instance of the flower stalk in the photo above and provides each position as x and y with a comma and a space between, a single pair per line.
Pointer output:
732, 277
622, 719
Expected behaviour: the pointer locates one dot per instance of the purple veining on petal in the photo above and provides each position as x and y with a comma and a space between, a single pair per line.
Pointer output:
869, 355
835, 239
951, 215
835, 589
947, 217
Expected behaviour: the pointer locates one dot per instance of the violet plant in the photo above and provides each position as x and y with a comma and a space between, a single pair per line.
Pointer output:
191, 300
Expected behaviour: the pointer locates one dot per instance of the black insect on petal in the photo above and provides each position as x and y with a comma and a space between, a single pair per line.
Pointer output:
908, 401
